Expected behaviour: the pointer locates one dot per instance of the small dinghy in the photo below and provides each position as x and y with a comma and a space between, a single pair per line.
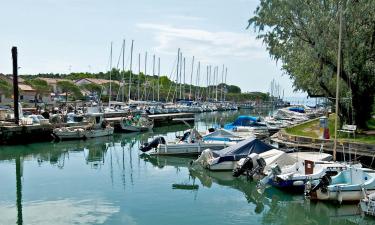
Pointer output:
136, 124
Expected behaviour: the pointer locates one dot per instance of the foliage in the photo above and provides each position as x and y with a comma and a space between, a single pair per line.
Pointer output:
92, 87
304, 36
114, 87
5, 88
40, 86
70, 88
167, 87
233, 89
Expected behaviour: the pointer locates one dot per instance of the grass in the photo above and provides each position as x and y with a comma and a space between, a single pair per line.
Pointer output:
371, 124
308, 129
311, 129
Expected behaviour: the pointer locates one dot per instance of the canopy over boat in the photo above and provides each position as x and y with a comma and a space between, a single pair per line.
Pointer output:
297, 109
242, 149
242, 121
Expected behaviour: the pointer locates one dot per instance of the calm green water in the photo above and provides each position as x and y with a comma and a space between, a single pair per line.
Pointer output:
108, 181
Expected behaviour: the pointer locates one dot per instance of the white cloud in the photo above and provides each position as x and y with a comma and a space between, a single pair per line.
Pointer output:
204, 44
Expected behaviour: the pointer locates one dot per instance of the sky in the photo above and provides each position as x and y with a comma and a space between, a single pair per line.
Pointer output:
62, 36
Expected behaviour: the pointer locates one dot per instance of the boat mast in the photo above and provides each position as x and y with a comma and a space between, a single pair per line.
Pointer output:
198, 82
208, 83
222, 84
216, 81
191, 77
183, 93
153, 75
177, 70
145, 84
337, 85
139, 76
158, 79
123, 71
181, 75
110, 79
131, 64
225, 81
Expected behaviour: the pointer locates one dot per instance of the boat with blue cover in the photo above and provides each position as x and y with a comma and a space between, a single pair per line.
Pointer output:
250, 125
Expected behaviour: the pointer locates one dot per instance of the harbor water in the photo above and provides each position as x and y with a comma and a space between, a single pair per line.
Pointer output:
108, 181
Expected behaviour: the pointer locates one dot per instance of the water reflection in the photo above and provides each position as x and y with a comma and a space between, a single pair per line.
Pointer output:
275, 206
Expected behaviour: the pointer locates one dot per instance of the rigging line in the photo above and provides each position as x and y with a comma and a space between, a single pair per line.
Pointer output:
174, 66
119, 57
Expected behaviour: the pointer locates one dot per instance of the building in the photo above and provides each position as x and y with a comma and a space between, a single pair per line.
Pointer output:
53, 83
27, 94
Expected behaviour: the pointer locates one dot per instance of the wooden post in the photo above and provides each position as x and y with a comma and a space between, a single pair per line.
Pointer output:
15, 85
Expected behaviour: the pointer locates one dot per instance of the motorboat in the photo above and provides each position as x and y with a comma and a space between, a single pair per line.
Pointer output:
248, 124
346, 186
294, 177
227, 158
222, 135
137, 123
257, 165
191, 143
97, 127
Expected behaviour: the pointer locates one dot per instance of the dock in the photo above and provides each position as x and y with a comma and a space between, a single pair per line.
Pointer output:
160, 119
13, 134
348, 147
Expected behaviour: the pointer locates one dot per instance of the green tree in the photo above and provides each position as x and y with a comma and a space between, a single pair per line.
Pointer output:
233, 89
92, 87
5, 88
303, 35
68, 88
40, 86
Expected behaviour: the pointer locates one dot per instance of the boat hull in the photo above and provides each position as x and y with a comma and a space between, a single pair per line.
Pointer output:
187, 149
99, 133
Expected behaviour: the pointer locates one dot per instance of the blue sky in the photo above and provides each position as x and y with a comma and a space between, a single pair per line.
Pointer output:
59, 35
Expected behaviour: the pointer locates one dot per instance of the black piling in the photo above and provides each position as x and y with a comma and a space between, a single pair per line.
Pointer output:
15, 85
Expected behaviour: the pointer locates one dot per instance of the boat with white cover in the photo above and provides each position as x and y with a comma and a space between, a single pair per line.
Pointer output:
227, 158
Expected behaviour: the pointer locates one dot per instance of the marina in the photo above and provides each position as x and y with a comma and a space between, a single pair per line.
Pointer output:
111, 174
197, 112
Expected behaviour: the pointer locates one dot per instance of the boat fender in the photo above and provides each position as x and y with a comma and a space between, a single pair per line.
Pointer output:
298, 183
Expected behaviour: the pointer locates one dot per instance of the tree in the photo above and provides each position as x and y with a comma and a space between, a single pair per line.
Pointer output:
69, 88
303, 35
5, 88
40, 86
233, 89
93, 88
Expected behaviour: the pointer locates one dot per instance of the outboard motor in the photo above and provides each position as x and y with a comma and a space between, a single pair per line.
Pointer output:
153, 144
251, 165
323, 184
244, 165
